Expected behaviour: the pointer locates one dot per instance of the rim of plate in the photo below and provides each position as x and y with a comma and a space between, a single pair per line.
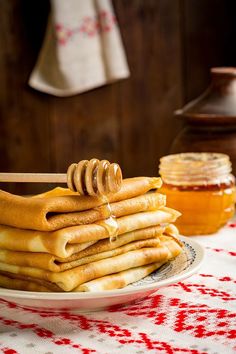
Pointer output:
192, 269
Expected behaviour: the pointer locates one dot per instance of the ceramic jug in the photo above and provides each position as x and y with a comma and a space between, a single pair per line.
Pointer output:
210, 119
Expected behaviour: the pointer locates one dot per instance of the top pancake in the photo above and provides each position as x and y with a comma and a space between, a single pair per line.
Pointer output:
61, 208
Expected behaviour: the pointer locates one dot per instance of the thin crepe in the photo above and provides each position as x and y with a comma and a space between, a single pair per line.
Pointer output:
99, 250
43, 274
21, 284
70, 279
118, 280
109, 282
65, 242
61, 208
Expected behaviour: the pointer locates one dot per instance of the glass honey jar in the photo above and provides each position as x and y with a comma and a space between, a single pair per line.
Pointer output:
201, 187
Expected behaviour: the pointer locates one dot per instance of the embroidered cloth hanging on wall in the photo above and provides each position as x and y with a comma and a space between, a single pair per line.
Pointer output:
82, 49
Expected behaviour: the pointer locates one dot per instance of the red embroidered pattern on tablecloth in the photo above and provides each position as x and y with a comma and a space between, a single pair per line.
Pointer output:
161, 346
8, 351
221, 250
223, 279
204, 290
232, 224
199, 320
45, 333
90, 26
122, 335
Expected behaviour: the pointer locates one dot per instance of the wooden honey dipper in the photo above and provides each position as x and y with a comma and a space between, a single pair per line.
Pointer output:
88, 177
94, 177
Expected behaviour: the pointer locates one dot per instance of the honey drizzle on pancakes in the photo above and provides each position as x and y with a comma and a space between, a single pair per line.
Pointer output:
110, 224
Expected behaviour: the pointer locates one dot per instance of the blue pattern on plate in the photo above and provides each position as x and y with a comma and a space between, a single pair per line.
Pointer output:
171, 268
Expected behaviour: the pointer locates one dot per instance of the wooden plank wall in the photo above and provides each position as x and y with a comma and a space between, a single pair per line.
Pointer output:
170, 46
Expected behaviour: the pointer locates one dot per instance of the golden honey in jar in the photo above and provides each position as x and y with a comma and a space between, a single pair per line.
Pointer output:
200, 186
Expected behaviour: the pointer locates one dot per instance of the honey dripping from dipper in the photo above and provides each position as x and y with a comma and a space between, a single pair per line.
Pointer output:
97, 178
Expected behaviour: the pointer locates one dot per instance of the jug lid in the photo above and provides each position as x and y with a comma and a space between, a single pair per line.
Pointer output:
217, 105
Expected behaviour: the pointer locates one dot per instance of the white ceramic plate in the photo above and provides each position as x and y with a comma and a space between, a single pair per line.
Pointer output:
182, 267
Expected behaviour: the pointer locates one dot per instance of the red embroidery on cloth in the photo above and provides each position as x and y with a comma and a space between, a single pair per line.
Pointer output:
221, 250
90, 26
224, 279
202, 289
232, 224
122, 335
161, 346
8, 351
63, 34
106, 21
45, 333
198, 319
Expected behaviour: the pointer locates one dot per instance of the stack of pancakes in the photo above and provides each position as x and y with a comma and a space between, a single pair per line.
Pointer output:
62, 241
